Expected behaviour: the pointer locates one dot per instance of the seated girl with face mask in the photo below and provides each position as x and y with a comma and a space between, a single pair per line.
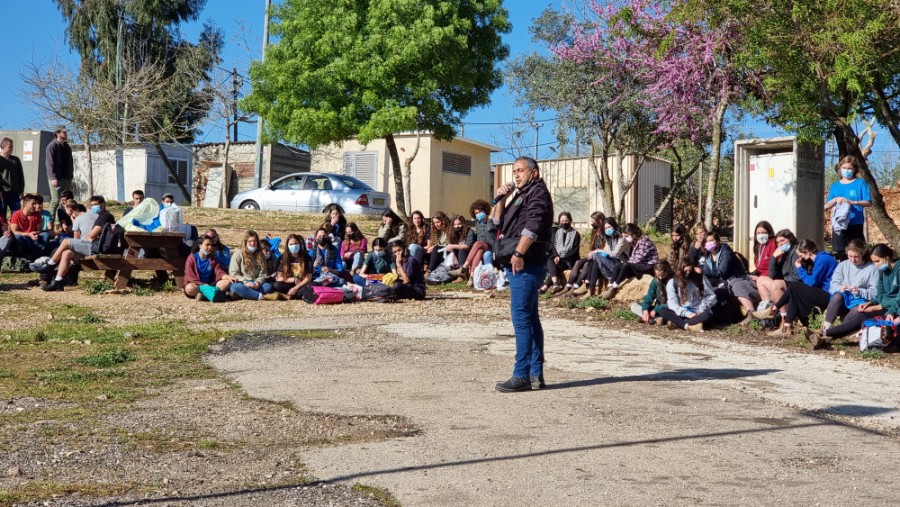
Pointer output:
378, 261
295, 271
202, 268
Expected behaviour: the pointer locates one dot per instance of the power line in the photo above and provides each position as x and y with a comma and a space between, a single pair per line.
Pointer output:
506, 122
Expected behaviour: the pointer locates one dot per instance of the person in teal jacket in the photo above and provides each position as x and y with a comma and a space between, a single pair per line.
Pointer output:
656, 298
886, 301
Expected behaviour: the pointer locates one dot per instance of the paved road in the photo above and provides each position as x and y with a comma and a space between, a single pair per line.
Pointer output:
630, 419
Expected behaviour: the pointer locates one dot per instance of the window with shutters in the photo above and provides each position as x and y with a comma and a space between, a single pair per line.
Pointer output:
181, 169
456, 163
362, 165
664, 224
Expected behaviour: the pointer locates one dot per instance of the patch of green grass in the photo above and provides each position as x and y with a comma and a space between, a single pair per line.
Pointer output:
91, 319
381, 495
734, 329
816, 318
96, 286
755, 325
838, 345
106, 359
213, 445
143, 291
624, 314
594, 302
169, 286
36, 491
62, 367
447, 287
872, 354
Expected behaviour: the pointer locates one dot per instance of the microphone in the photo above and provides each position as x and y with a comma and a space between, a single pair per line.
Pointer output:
508, 186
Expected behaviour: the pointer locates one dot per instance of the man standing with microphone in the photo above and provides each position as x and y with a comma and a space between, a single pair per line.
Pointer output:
525, 221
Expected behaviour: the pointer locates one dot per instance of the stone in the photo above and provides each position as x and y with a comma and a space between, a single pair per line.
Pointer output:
14, 472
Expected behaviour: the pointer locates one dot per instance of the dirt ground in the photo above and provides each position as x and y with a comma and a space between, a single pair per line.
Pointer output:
393, 404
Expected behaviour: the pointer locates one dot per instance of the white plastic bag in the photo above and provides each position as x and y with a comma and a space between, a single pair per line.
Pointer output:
144, 213
484, 277
450, 259
502, 282
171, 218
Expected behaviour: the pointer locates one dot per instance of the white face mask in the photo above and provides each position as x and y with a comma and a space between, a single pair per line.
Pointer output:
629, 239
762, 239
203, 253
251, 249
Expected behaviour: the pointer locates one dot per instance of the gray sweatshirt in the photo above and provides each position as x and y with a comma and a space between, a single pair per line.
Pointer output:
695, 302
864, 277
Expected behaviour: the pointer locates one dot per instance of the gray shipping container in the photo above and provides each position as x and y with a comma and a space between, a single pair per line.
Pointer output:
31, 146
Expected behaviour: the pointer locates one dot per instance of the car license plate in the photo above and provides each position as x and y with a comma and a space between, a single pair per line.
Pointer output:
378, 201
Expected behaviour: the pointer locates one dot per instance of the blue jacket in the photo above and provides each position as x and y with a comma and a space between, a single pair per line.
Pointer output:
328, 256
823, 268
725, 267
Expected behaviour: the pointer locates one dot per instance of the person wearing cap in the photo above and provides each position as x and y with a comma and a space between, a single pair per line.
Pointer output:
60, 167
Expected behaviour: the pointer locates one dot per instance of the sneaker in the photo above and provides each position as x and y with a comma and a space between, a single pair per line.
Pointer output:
54, 286
513, 385
580, 291
658, 321
695, 328
816, 340
537, 382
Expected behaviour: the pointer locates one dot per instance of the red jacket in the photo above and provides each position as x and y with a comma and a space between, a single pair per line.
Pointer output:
190, 269
763, 255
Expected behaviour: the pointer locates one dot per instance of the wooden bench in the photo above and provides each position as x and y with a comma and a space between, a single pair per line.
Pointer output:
160, 255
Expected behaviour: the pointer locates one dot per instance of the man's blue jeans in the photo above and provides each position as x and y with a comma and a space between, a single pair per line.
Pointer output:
524, 289
245, 292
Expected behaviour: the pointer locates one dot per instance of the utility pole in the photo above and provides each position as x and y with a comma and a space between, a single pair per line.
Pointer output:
259, 121
537, 132
120, 146
234, 100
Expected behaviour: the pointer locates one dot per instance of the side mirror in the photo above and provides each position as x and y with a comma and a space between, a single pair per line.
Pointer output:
269, 187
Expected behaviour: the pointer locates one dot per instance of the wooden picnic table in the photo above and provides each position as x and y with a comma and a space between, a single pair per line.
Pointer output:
160, 255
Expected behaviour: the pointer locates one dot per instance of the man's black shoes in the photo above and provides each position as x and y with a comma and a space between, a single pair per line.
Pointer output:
54, 285
514, 385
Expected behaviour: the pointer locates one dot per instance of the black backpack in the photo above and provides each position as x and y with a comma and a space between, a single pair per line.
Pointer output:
111, 240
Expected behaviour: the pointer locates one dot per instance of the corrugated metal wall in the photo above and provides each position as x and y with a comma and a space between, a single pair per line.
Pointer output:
573, 185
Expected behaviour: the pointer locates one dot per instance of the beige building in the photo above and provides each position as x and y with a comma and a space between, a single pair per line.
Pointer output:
143, 170
446, 175
573, 185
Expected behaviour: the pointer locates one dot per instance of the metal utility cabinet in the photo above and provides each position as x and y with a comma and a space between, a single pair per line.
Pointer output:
781, 180
30, 146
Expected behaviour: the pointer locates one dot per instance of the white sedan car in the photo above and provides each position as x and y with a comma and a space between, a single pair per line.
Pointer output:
313, 193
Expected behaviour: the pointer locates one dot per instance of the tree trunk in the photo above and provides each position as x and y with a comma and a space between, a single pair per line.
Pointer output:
168, 164
715, 161
407, 174
90, 164
398, 176
877, 213
601, 172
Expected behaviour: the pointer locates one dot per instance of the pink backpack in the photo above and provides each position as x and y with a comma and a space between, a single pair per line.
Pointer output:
328, 295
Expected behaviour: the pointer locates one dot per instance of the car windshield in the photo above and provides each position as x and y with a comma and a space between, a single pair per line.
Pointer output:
289, 183
353, 183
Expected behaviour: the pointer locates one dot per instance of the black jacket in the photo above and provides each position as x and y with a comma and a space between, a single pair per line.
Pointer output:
12, 177
59, 161
530, 214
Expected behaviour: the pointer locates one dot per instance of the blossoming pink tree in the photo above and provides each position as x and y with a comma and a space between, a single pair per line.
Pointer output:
687, 67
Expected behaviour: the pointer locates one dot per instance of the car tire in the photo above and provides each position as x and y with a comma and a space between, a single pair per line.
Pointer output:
249, 205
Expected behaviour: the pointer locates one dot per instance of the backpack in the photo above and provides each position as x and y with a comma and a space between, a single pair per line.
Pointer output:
378, 292
877, 334
328, 295
111, 240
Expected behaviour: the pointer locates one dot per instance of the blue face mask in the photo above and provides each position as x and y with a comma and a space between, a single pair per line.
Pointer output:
480, 216
884, 267
785, 248
379, 254
609, 231
95, 209
295, 248
847, 173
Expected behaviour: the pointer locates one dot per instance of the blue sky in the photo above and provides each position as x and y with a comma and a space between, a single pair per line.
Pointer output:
33, 31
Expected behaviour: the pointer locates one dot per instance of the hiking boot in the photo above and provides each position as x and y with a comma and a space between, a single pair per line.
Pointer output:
815, 339
695, 328
609, 293
513, 385
746, 320
768, 313
455, 273
54, 286
580, 291
671, 325
537, 382
272, 296
658, 321
782, 332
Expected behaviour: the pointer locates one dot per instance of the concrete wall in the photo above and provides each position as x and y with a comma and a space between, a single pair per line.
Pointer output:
431, 188
32, 162
144, 170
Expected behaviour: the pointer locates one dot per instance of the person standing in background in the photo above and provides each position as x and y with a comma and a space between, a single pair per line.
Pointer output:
12, 178
846, 198
60, 166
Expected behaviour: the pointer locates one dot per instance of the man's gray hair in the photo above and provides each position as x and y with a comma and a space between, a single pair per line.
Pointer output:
530, 163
